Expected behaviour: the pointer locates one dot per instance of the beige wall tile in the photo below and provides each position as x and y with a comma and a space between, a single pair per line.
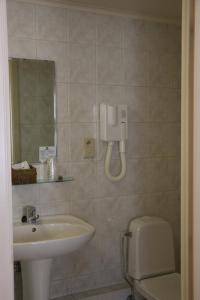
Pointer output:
56, 51
109, 65
164, 105
62, 102
164, 140
82, 27
63, 143
110, 94
134, 74
51, 23
135, 33
54, 196
138, 142
163, 37
158, 175
85, 185
137, 99
81, 63
22, 48
164, 68
21, 18
82, 103
109, 30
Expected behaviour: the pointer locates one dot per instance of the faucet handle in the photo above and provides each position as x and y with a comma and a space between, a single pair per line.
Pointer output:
29, 211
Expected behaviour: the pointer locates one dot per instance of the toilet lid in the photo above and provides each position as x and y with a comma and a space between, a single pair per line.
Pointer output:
163, 287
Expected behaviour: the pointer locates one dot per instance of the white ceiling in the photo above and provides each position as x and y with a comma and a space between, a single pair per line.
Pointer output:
161, 9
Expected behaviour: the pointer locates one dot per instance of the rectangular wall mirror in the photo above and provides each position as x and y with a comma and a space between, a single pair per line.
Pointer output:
33, 106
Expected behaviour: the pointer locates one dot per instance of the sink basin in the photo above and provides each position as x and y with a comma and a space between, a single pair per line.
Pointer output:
54, 236
36, 245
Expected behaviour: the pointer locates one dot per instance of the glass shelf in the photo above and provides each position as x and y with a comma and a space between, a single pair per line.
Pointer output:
46, 180
63, 179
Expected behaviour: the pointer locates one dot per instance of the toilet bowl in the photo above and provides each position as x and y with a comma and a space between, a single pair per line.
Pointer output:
151, 260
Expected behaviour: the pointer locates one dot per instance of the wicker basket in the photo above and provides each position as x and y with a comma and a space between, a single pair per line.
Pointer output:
27, 176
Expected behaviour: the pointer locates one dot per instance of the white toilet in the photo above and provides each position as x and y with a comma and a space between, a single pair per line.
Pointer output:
151, 261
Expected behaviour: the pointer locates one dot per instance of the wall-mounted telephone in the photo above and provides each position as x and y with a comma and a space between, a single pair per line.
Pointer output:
114, 128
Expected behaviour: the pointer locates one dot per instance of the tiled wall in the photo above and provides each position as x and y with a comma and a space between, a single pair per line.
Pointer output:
111, 59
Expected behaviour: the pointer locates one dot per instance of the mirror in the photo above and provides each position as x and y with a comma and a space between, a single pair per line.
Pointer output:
33, 106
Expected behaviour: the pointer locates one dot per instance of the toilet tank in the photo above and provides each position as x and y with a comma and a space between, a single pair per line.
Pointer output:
151, 248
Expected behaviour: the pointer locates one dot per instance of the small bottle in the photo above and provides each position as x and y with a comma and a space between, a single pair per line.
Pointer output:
51, 168
42, 169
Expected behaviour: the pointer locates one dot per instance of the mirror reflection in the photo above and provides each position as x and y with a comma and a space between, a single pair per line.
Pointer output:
32, 89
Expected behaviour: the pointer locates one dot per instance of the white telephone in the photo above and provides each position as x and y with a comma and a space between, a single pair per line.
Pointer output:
114, 128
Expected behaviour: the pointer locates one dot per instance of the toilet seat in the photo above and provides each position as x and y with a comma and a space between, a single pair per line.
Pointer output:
165, 287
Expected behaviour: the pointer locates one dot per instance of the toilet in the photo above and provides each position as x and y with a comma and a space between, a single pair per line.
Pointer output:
151, 260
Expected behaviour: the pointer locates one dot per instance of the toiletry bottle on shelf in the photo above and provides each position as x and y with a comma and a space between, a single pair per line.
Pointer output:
42, 169
51, 168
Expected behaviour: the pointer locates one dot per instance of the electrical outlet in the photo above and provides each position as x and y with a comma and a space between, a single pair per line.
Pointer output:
89, 148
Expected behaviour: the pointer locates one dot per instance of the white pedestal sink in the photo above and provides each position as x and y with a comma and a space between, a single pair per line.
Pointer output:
36, 245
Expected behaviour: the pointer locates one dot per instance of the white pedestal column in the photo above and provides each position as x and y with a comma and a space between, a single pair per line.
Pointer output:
36, 279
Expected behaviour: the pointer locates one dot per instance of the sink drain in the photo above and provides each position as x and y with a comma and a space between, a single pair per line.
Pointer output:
34, 229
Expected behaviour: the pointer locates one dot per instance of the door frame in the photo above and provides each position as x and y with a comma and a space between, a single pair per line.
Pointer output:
6, 242
196, 185
188, 151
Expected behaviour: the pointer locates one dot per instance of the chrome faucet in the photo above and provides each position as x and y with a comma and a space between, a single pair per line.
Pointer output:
29, 215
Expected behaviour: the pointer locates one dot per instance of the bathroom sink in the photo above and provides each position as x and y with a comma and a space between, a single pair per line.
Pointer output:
54, 236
